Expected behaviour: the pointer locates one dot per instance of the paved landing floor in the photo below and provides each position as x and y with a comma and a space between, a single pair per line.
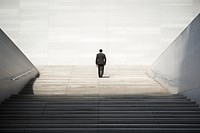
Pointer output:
83, 80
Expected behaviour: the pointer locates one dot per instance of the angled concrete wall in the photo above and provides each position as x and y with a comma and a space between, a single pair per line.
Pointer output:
178, 67
70, 32
15, 69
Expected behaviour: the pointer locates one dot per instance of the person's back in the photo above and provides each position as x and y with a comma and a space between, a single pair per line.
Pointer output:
101, 59
100, 62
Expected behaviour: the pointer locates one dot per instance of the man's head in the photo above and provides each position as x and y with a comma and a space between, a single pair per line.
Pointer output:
100, 50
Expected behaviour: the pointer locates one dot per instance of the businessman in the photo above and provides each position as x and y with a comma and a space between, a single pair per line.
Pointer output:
100, 62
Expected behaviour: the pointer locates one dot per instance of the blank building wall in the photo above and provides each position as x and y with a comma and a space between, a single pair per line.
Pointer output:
70, 32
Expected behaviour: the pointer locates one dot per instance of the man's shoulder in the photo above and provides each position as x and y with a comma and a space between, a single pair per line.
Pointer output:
103, 54
100, 54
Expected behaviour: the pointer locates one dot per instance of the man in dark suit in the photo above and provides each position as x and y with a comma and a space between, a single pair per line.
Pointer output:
100, 62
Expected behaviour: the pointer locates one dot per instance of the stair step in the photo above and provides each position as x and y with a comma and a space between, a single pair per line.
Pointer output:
96, 112
50, 105
97, 115
99, 125
21, 96
101, 130
101, 121
97, 102
40, 108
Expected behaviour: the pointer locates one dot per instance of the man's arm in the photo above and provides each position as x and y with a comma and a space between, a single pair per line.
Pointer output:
96, 59
105, 60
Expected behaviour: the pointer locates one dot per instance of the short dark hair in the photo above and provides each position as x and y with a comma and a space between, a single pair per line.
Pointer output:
100, 50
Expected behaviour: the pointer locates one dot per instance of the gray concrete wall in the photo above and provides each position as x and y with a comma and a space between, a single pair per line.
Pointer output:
178, 67
15, 69
70, 32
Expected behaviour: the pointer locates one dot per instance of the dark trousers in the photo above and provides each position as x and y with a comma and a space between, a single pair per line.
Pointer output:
100, 70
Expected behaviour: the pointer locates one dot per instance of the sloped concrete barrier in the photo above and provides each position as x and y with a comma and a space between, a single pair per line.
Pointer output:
178, 67
15, 68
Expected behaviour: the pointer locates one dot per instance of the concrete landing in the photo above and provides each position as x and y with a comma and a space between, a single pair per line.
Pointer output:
83, 80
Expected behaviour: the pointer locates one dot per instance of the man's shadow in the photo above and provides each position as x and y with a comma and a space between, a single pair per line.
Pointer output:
106, 77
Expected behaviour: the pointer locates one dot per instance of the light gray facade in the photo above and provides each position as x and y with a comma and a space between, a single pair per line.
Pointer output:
70, 32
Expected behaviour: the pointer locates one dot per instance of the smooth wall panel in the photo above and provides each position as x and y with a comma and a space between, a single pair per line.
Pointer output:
129, 31
9, 20
34, 30
196, 7
178, 67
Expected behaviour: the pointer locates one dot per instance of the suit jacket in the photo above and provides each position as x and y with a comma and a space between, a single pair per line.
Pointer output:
101, 59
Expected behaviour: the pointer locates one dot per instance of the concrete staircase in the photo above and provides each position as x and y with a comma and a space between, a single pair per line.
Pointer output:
98, 113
